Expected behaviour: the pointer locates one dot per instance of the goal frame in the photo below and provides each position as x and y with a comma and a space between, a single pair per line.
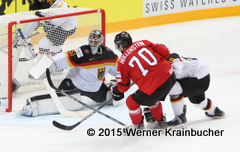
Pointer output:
10, 49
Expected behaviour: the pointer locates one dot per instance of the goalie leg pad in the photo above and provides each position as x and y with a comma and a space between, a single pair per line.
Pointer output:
44, 105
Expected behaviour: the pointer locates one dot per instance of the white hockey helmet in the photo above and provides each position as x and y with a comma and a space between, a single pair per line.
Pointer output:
95, 40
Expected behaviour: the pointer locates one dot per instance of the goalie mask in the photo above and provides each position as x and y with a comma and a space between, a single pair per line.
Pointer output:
124, 39
95, 40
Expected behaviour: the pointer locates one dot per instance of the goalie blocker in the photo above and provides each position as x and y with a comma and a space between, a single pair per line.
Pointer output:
38, 71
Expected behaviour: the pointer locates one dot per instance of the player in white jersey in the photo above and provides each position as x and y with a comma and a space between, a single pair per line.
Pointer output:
88, 66
52, 42
193, 78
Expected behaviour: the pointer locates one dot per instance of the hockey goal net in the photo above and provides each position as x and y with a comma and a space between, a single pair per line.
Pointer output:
15, 57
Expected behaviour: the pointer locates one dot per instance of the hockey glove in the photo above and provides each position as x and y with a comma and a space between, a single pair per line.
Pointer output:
111, 83
40, 14
116, 94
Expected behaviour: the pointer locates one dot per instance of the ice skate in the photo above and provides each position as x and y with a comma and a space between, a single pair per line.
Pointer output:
139, 126
217, 113
148, 115
128, 131
161, 124
180, 120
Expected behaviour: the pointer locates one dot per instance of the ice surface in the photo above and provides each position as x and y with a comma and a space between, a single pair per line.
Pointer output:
217, 41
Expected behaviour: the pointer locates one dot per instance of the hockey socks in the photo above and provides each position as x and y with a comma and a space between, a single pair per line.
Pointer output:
136, 116
207, 105
156, 111
177, 102
135, 111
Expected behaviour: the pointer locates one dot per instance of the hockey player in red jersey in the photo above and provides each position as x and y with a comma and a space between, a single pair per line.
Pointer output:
145, 64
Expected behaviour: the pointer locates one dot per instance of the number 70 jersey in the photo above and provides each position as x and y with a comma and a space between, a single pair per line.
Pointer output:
145, 64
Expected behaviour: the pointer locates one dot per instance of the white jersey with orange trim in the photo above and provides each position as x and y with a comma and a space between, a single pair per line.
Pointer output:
86, 70
185, 67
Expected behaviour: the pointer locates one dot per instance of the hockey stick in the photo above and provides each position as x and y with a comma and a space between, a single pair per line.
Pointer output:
60, 106
16, 45
64, 127
39, 32
15, 39
26, 44
75, 99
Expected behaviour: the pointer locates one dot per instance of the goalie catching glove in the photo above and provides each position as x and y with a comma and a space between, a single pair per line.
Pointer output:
116, 94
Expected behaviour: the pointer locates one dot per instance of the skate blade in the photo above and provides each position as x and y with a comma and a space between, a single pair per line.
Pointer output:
218, 117
180, 126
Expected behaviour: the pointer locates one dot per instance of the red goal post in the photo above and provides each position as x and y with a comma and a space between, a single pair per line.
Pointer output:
84, 27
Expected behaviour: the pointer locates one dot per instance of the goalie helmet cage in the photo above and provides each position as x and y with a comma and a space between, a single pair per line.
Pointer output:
88, 20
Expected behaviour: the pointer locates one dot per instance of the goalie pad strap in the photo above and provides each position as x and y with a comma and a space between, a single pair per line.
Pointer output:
47, 96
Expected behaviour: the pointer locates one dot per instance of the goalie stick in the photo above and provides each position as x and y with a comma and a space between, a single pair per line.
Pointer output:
60, 106
75, 99
64, 127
